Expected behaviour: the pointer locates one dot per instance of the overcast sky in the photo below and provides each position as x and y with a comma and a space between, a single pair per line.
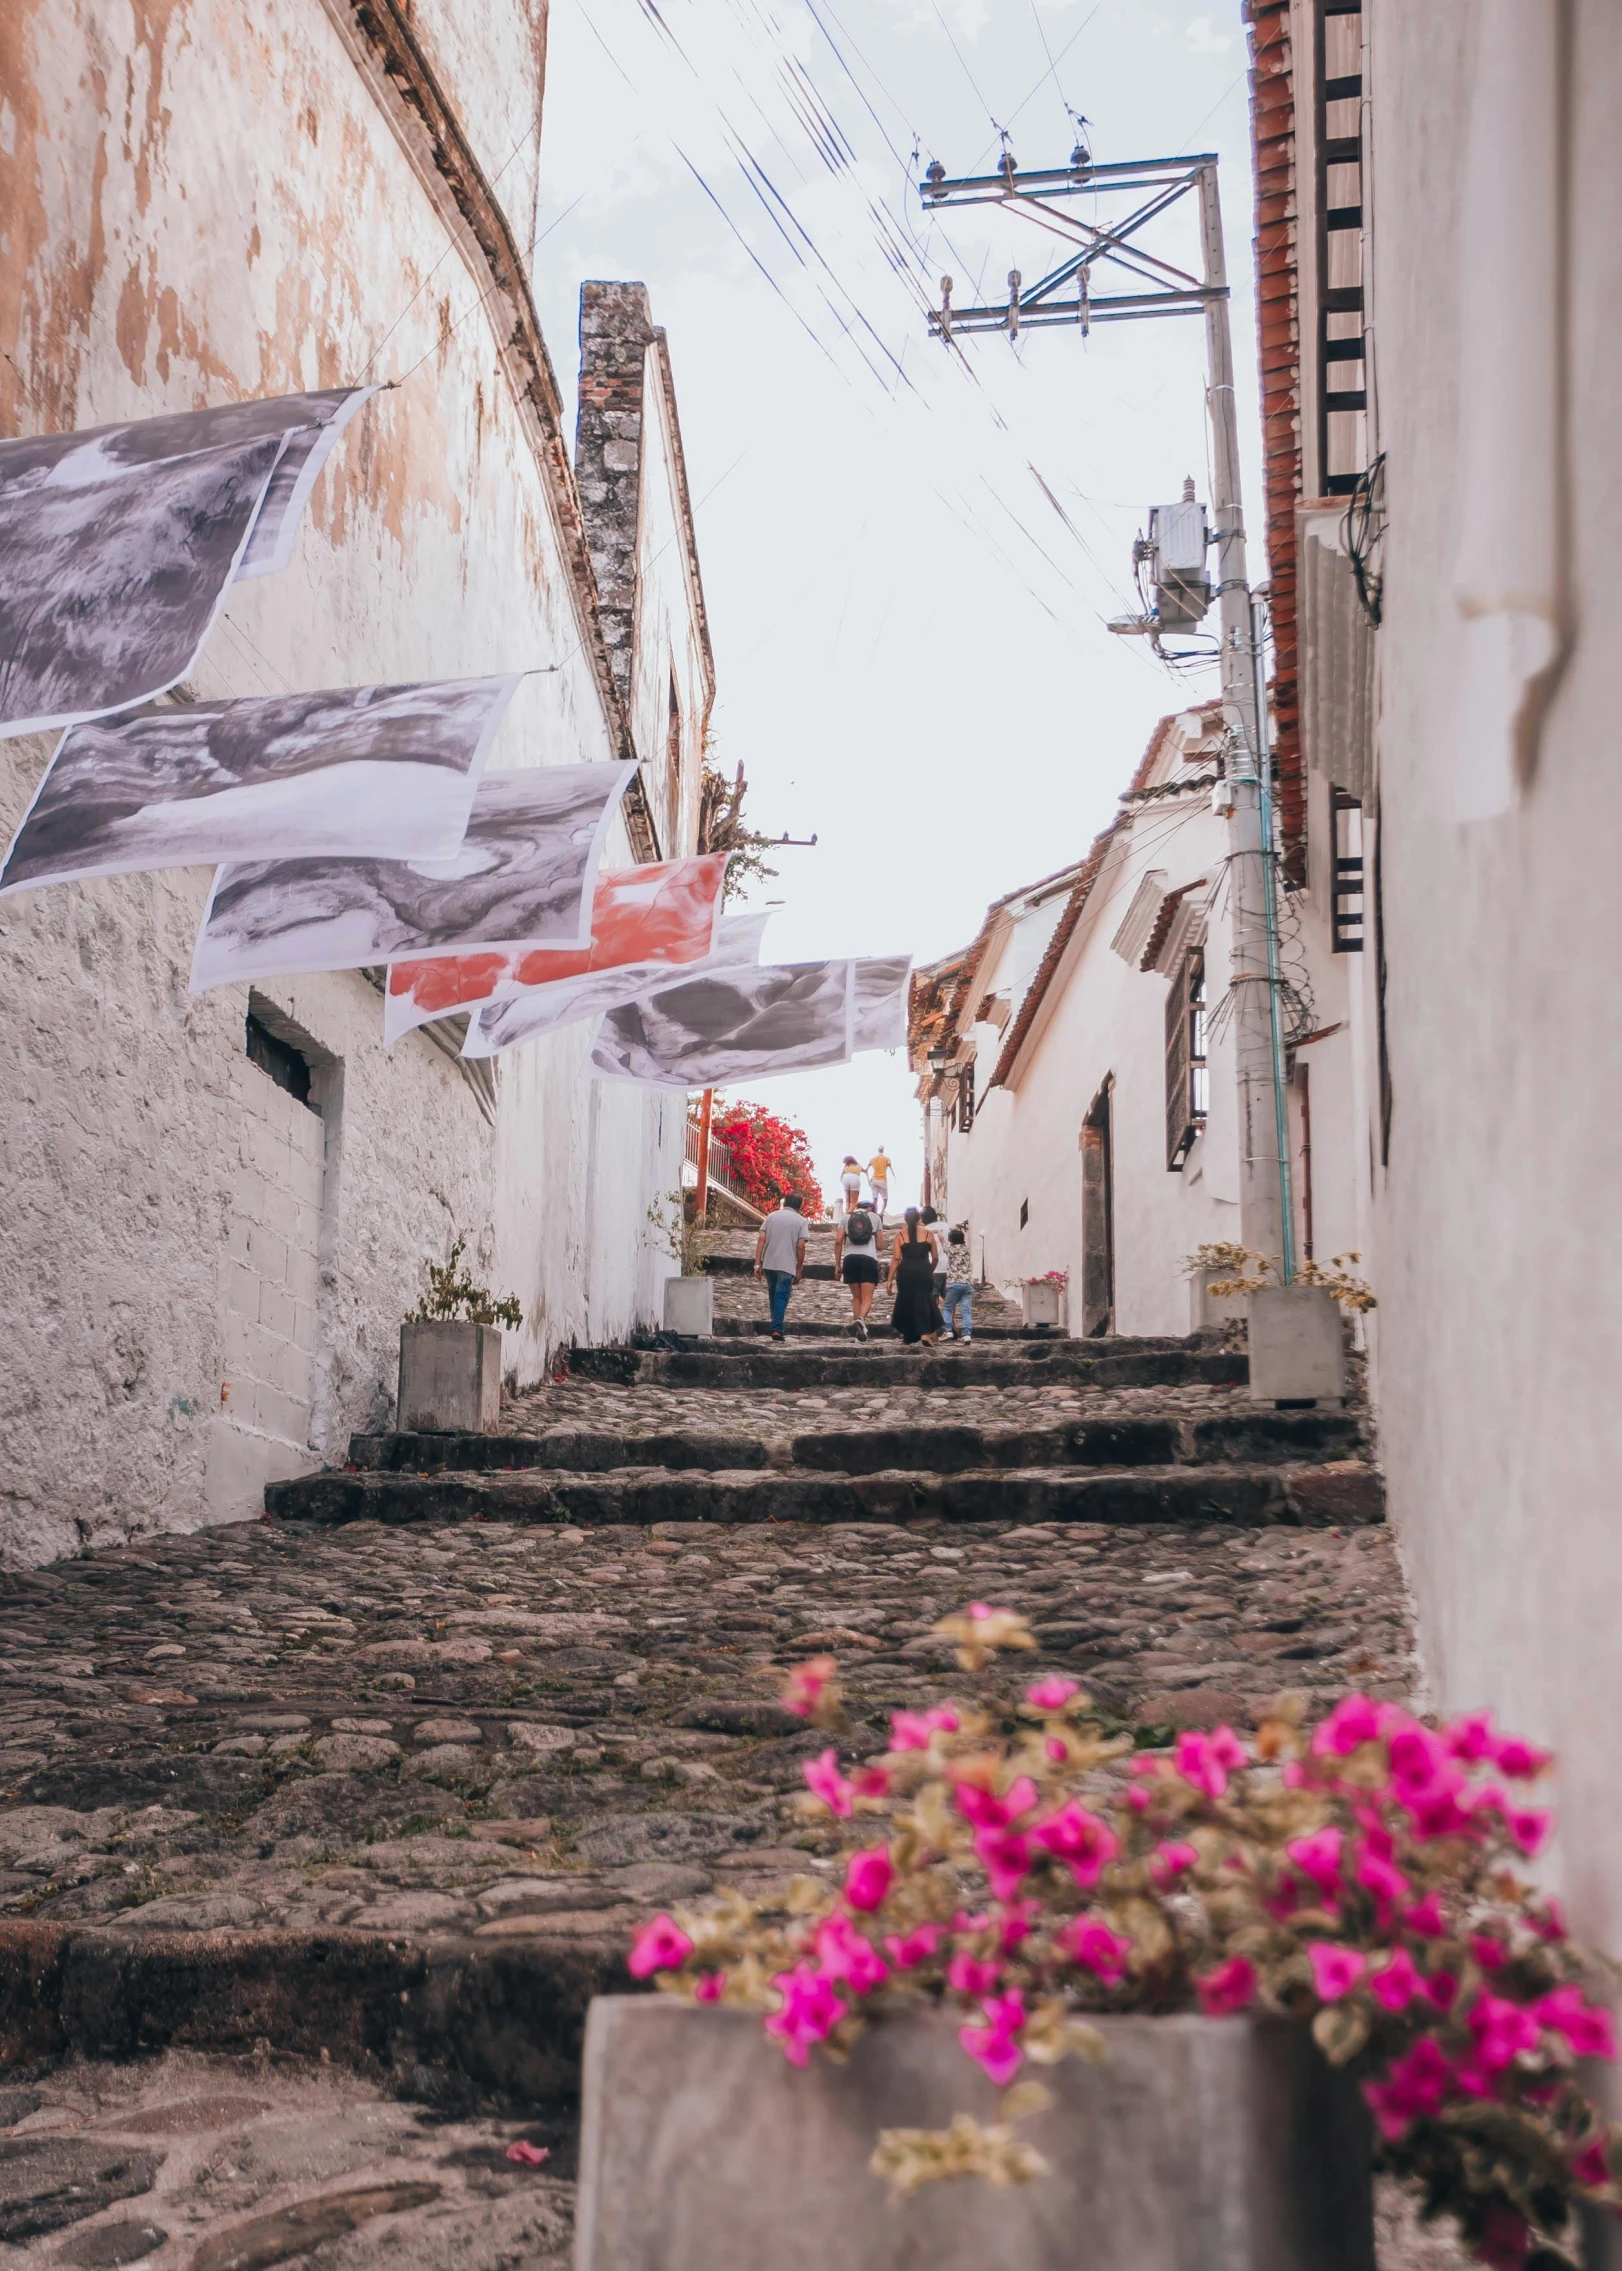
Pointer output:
909, 632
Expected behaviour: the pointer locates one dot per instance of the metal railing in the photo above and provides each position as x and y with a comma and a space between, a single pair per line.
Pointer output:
722, 1174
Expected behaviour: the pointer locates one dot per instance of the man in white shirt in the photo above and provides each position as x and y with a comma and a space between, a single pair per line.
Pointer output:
780, 1256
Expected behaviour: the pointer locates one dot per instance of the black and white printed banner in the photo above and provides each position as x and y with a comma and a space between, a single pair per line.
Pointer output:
525, 873
118, 545
386, 772
729, 1025
879, 1019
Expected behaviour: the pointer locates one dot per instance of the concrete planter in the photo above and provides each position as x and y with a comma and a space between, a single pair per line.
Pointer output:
690, 1306
450, 1379
1042, 1302
1297, 1347
1199, 2145
1207, 1309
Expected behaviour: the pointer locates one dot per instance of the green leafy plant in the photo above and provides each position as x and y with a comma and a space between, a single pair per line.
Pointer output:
1362, 1877
1247, 1272
453, 1295
680, 1235
721, 828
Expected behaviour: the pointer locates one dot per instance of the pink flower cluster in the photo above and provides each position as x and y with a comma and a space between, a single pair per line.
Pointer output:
1428, 1779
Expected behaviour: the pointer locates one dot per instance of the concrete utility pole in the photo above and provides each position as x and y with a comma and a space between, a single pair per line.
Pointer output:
1265, 1212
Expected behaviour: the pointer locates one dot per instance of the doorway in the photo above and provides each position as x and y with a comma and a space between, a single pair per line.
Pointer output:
1098, 1215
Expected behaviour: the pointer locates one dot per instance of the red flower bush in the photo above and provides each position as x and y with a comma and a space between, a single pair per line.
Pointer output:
768, 1156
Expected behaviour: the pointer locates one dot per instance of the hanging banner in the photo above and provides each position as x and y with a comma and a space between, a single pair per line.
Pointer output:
380, 771
879, 1016
727, 1026
118, 545
525, 872
663, 914
525, 1016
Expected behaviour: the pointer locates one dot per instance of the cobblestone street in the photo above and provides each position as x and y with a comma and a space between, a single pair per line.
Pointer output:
393, 1774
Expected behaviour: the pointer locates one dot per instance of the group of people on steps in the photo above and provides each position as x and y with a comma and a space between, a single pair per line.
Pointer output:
928, 1265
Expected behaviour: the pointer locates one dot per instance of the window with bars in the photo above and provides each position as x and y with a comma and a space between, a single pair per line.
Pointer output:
1346, 910
1342, 405
1187, 1074
965, 1097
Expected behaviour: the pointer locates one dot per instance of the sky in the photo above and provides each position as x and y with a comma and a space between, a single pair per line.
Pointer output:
909, 556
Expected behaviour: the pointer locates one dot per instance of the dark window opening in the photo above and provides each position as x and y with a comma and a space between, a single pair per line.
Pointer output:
286, 1067
1346, 908
965, 1098
1199, 1079
1024, 1212
1187, 1076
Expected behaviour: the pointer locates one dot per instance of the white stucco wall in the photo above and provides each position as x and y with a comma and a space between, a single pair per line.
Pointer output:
202, 205
1500, 1235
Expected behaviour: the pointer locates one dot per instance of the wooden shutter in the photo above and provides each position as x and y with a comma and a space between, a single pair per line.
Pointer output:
1180, 1128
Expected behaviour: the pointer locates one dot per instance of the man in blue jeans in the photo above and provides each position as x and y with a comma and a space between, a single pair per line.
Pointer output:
780, 1255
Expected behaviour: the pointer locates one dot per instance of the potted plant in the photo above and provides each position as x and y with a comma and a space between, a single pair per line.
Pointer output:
1276, 1955
450, 1353
689, 1297
1296, 1342
1042, 1299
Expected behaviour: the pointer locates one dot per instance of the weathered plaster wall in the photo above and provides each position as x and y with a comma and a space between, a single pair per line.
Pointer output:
1500, 1236
204, 204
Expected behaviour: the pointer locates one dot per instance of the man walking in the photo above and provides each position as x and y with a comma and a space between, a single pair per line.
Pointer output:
780, 1256
878, 1181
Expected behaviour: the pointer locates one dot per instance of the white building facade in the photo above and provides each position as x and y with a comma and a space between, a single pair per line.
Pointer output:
218, 1207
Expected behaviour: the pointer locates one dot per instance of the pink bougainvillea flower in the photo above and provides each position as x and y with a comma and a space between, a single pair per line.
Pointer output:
1441, 1808
995, 2045
1425, 1917
806, 1684
907, 1950
1502, 2030
1489, 1950
528, 2155
1592, 2165
1397, 1982
1528, 1828
1231, 1987
1442, 1988
1016, 1923
1170, 1861
1549, 1922
871, 1782
1085, 1844
1384, 1880
809, 2012
869, 1875
1354, 1721
972, 1975
825, 1782
848, 1955
1138, 1799
912, 1730
1586, 2026
710, 1986
1335, 1971
1505, 2240
1415, 2088
1052, 1692
659, 1946
1318, 1857
1056, 1748
1471, 1738
1520, 1760
986, 1810
1005, 1857
1293, 1774
1418, 1758
1205, 1760
1096, 1948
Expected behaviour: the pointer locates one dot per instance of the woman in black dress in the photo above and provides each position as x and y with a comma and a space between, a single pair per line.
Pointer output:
916, 1316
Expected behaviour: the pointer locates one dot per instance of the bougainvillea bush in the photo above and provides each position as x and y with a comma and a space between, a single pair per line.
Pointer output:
1363, 1875
769, 1157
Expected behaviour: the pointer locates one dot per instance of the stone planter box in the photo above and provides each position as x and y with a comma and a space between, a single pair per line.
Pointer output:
1042, 1303
450, 1379
1207, 1309
1297, 1347
690, 1306
1199, 2145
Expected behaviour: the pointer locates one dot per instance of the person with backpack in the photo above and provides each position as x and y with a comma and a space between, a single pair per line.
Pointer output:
856, 1263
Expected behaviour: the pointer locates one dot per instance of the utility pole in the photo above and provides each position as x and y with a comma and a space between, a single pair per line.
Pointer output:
1265, 1212
701, 1196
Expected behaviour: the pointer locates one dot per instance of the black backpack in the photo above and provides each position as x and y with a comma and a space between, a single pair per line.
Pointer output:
859, 1229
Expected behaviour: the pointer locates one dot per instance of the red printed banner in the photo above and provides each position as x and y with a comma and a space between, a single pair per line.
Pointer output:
668, 912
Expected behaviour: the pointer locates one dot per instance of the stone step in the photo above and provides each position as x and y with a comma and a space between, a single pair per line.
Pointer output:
737, 1337
1251, 1437
837, 1328
1253, 1493
1172, 1364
